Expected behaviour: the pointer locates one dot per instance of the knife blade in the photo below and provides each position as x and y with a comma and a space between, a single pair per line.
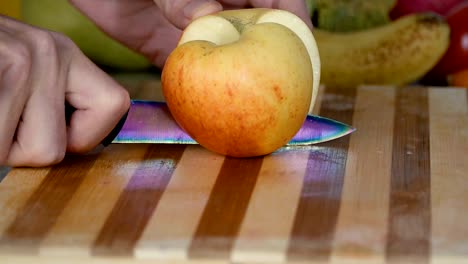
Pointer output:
152, 122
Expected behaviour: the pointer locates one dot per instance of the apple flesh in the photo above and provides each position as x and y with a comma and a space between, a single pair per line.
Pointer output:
241, 82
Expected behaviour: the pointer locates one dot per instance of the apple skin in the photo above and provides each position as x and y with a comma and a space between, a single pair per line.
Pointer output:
456, 57
242, 99
406, 7
61, 16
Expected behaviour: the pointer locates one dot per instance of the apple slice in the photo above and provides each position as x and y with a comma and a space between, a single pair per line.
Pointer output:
241, 82
225, 28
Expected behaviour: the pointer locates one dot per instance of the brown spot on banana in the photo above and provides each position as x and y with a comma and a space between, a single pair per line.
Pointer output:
397, 53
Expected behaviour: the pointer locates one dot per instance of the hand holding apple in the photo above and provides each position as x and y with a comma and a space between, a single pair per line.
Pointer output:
241, 82
61, 16
153, 27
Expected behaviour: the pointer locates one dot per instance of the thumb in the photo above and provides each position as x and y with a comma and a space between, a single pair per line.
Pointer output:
181, 12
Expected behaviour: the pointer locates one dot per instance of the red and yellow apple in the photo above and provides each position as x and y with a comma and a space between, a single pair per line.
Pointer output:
456, 57
241, 82
406, 7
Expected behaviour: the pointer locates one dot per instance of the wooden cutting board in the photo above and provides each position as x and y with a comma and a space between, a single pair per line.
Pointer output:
394, 191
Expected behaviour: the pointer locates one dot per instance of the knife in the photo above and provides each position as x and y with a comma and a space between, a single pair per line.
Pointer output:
152, 122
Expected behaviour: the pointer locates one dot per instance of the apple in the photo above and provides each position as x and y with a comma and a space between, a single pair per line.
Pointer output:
459, 79
406, 7
241, 82
456, 57
61, 16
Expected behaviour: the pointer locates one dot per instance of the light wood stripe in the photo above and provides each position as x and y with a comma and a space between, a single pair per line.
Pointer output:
15, 190
449, 169
410, 201
225, 210
264, 234
77, 227
169, 232
363, 219
28, 259
45, 205
317, 212
137, 202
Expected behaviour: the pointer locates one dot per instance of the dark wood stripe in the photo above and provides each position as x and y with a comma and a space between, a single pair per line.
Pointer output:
132, 211
318, 208
225, 210
45, 205
409, 233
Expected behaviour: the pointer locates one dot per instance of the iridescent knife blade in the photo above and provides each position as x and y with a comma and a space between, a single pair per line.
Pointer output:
151, 122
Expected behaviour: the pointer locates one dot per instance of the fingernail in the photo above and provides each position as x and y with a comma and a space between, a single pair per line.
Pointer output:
197, 9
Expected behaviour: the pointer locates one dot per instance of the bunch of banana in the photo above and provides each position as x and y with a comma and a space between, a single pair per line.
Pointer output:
358, 44
398, 52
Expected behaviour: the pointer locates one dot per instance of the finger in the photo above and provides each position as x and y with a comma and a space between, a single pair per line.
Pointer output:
100, 102
138, 24
297, 7
14, 71
41, 134
182, 12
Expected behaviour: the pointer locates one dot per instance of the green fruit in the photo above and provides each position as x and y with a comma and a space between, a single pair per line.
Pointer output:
60, 16
397, 53
311, 5
347, 16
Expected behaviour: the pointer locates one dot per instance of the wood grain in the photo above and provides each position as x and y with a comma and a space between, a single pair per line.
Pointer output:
85, 214
361, 229
225, 209
394, 191
317, 212
410, 196
170, 230
449, 171
270, 215
44, 206
137, 202
15, 191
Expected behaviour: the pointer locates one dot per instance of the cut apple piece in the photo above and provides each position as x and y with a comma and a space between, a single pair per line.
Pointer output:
221, 29
241, 82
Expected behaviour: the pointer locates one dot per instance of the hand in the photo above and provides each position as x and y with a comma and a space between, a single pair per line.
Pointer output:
181, 12
153, 27
39, 71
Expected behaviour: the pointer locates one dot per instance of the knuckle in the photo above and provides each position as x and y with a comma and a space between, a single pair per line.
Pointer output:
17, 68
118, 102
80, 146
64, 41
43, 41
20, 56
45, 156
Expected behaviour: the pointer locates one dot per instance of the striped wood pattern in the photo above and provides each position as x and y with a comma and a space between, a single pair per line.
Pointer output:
394, 191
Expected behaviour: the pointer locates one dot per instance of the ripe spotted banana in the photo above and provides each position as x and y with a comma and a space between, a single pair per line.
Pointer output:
396, 53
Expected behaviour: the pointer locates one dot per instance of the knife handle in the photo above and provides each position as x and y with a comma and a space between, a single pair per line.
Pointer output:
69, 109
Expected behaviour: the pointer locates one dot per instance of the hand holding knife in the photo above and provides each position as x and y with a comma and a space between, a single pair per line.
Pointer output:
152, 122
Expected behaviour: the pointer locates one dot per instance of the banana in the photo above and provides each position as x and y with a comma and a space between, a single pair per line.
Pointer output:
396, 53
